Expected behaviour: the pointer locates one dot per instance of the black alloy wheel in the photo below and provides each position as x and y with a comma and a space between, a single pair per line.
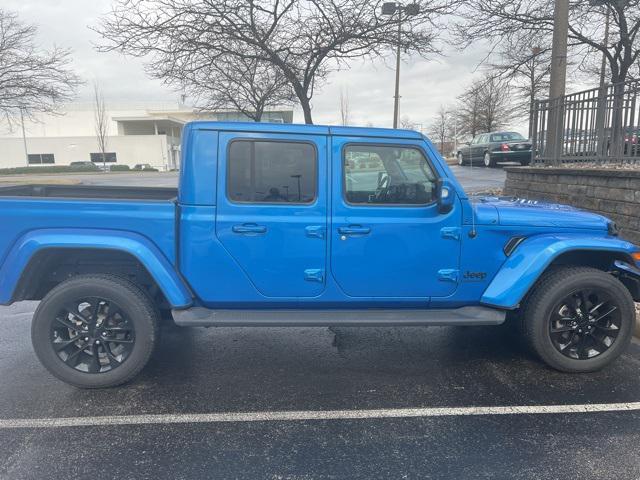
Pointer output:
92, 335
95, 330
585, 324
578, 319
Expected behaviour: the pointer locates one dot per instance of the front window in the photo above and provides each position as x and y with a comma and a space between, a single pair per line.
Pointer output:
387, 175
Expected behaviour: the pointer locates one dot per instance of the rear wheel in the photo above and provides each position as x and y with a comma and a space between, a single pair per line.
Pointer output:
95, 331
579, 319
488, 161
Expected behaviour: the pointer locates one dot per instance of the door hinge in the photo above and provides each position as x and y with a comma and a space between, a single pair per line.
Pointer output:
315, 231
314, 275
448, 275
452, 233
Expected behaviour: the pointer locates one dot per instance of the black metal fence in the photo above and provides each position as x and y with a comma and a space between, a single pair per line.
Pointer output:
601, 126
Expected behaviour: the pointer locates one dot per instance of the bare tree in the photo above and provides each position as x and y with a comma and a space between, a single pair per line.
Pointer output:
101, 123
524, 61
485, 106
502, 21
469, 111
344, 107
440, 128
407, 123
31, 80
304, 40
244, 84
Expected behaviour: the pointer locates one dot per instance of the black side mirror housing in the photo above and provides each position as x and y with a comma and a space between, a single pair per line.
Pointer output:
446, 195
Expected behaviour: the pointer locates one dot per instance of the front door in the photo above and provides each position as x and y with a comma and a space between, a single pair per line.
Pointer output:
272, 210
388, 237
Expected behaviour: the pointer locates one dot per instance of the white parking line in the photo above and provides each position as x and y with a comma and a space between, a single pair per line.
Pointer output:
294, 416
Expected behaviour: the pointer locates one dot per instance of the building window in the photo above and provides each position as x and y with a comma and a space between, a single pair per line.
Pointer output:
41, 158
387, 175
109, 157
271, 172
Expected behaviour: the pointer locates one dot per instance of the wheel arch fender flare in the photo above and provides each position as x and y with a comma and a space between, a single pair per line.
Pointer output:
139, 246
522, 269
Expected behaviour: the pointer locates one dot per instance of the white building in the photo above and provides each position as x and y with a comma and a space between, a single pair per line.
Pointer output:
138, 134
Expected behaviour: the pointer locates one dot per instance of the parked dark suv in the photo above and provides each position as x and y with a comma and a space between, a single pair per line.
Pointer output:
494, 147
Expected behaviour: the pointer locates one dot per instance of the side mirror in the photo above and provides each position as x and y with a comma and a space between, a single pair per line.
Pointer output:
446, 195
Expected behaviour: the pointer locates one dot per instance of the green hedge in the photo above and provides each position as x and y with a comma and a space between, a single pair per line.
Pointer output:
119, 168
48, 169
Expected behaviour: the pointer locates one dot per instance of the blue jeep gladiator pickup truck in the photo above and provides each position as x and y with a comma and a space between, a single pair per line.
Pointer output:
306, 225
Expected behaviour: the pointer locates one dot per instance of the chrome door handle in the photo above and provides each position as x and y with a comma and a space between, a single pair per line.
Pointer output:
249, 228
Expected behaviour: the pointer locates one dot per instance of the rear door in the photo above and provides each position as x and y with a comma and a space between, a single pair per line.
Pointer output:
478, 148
272, 210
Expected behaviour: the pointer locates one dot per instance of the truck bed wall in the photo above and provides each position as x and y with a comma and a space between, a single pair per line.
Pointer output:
152, 219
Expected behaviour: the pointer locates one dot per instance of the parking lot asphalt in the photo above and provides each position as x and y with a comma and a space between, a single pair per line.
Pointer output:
472, 178
313, 370
318, 403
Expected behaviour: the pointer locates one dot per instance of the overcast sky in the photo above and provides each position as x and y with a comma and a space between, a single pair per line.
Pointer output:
425, 85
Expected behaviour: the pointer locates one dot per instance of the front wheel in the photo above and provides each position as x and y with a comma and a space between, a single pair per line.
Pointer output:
460, 159
95, 331
579, 319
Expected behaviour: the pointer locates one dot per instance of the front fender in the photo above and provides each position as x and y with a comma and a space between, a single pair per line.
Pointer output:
532, 257
135, 244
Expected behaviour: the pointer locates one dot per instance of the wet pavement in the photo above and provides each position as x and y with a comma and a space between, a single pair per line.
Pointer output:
227, 370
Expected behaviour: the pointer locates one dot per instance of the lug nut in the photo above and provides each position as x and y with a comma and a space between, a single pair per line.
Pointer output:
86, 339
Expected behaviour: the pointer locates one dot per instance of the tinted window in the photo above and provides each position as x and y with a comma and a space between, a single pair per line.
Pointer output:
506, 137
41, 158
271, 172
109, 157
379, 175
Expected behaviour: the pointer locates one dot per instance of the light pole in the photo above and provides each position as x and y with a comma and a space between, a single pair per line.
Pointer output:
390, 9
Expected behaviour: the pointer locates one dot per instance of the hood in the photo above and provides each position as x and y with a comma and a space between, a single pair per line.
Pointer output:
520, 212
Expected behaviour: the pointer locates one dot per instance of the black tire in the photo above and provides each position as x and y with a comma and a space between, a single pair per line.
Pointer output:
122, 304
539, 315
525, 163
488, 160
461, 161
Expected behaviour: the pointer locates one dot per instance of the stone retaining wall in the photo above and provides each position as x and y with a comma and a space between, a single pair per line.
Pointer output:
613, 193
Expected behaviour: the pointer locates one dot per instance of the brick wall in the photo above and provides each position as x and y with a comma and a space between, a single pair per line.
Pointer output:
613, 193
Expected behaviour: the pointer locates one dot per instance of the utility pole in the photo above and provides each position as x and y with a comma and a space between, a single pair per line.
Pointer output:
535, 51
602, 95
396, 97
24, 137
390, 9
558, 80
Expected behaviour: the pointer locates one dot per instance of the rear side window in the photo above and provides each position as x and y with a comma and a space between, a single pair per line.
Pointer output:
271, 172
387, 175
